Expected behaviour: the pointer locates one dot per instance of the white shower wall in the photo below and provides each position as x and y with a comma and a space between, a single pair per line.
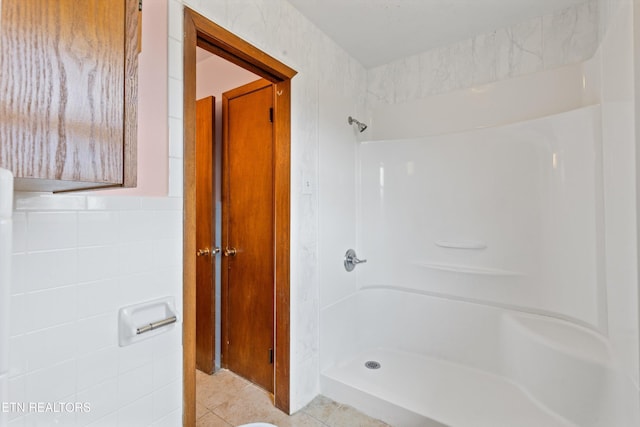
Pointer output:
620, 27
337, 220
593, 50
526, 71
506, 215
565, 191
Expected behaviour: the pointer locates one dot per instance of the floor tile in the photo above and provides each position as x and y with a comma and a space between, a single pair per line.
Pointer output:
213, 390
301, 419
201, 410
227, 400
346, 416
321, 408
250, 405
211, 420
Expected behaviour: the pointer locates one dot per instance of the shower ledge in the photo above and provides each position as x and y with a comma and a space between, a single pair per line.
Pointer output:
468, 269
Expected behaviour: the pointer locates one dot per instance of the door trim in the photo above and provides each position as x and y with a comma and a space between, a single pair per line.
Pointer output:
200, 31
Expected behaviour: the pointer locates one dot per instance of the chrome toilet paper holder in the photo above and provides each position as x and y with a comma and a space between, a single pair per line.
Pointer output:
145, 320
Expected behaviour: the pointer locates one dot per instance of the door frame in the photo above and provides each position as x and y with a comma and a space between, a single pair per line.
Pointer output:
202, 32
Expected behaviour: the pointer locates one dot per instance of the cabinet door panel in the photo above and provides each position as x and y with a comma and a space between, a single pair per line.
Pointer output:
62, 85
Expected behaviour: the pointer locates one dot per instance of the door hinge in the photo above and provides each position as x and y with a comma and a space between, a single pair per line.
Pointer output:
139, 5
271, 356
271, 114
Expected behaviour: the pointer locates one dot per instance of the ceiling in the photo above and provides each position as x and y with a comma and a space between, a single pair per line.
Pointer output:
376, 32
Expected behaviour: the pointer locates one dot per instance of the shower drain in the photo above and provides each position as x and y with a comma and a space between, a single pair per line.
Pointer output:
372, 364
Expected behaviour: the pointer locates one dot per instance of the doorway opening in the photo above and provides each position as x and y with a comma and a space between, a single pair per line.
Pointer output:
216, 76
201, 32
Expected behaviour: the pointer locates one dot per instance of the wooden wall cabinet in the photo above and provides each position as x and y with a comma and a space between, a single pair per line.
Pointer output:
68, 93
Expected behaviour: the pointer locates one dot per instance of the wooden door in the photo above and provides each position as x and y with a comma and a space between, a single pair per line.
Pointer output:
248, 233
205, 235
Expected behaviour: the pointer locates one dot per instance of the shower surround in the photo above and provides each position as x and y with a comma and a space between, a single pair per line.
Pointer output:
478, 244
495, 202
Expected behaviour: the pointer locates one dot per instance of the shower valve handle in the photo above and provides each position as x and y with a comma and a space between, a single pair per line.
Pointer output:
351, 260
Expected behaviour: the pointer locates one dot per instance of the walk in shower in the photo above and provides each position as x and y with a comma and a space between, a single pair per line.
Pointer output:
482, 282
493, 293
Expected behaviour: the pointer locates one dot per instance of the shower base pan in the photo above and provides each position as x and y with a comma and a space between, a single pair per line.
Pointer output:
411, 390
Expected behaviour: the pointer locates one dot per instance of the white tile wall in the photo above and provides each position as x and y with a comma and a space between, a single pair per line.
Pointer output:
138, 413
166, 400
175, 70
175, 177
78, 259
51, 230
175, 85
171, 420
175, 138
55, 268
97, 228
101, 398
89, 376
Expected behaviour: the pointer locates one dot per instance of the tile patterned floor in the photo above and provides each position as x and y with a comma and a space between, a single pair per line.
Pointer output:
226, 400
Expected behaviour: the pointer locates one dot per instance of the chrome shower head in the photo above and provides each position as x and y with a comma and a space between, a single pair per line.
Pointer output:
361, 126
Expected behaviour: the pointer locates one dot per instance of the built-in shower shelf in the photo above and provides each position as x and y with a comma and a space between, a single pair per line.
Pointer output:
466, 244
468, 269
